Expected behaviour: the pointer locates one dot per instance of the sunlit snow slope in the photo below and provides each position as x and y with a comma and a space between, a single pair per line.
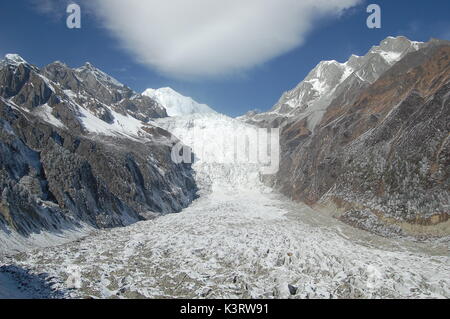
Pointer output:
175, 103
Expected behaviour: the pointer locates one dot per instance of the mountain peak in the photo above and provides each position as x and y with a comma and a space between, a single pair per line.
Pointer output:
330, 79
168, 90
16, 59
89, 65
392, 49
88, 69
175, 103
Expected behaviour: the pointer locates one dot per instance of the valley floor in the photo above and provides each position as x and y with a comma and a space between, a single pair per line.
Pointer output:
246, 244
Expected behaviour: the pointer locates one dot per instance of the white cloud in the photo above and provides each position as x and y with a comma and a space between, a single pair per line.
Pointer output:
197, 38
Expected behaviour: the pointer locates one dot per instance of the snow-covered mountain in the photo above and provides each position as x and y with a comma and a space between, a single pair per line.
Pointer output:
175, 103
329, 79
96, 101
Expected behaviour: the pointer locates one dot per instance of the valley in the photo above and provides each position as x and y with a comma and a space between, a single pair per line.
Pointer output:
93, 204
240, 239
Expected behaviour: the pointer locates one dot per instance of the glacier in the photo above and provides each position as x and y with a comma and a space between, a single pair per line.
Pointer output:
239, 239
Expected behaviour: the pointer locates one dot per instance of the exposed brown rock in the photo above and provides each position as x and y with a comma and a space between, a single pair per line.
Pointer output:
387, 152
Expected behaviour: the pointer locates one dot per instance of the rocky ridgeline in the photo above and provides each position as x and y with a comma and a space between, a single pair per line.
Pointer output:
77, 149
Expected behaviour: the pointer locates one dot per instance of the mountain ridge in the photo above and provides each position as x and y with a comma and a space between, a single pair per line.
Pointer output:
310, 98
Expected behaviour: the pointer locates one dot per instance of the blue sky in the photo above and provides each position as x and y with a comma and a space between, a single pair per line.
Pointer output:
42, 38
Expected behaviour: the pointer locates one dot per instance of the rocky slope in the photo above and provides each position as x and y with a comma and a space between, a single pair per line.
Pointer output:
77, 150
380, 151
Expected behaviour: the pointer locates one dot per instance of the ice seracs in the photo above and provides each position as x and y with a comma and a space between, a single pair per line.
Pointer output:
175, 103
213, 139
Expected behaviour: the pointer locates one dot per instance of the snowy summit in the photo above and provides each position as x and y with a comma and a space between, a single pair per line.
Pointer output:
175, 103
14, 59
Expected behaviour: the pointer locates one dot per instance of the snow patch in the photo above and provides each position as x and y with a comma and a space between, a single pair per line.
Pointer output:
123, 125
391, 57
45, 113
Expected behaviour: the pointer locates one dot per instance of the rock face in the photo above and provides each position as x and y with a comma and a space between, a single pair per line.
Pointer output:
77, 148
381, 149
